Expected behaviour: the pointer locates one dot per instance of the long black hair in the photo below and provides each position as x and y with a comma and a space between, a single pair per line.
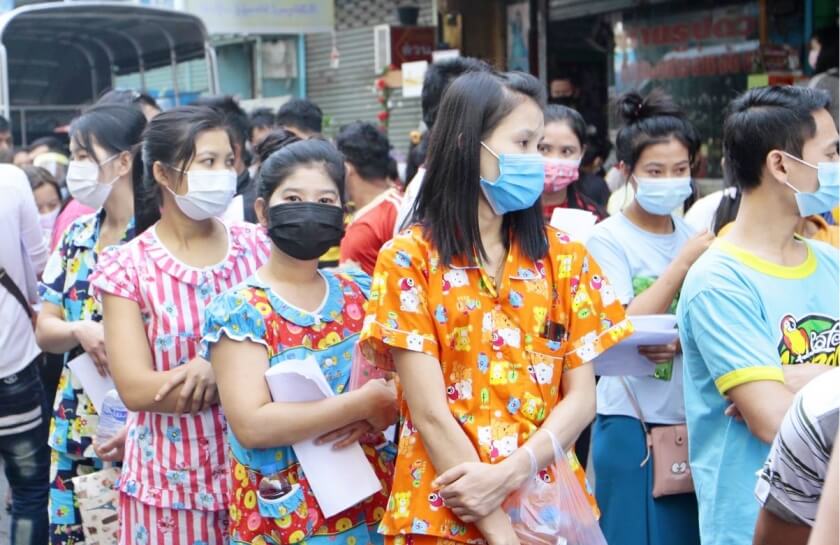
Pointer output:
114, 127
447, 206
169, 138
829, 56
556, 113
312, 152
727, 211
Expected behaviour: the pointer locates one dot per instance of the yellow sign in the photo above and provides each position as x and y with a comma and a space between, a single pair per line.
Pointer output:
263, 16
757, 80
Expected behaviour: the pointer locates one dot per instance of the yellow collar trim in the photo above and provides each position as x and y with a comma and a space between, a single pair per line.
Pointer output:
803, 270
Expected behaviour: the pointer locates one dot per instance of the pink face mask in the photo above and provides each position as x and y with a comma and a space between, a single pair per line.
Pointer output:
560, 173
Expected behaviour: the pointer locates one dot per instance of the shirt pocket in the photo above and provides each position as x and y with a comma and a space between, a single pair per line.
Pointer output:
189, 462
545, 369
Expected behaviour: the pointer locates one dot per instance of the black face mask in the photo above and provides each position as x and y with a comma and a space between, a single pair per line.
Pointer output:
305, 230
568, 101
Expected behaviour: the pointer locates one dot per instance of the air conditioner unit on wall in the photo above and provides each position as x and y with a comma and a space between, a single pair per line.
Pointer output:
394, 45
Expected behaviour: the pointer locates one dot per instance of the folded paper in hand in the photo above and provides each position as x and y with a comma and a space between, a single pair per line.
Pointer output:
576, 223
94, 384
624, 359
339, 478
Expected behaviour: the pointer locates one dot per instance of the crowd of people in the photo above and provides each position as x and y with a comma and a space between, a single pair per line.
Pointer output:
188, 252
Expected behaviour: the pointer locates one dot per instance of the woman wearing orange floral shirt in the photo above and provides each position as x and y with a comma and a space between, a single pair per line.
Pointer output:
489, 318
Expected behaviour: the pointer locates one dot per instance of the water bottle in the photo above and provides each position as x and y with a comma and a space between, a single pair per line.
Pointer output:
112, 417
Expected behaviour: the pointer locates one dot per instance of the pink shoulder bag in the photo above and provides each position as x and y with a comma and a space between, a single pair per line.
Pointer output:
669, 447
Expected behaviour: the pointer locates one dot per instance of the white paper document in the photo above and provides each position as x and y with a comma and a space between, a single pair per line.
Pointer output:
624, 359
577, 223
94, 384
339, 478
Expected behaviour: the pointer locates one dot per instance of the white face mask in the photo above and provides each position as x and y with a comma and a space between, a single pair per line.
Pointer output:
813, 57
209, 193
48, 221
84, 185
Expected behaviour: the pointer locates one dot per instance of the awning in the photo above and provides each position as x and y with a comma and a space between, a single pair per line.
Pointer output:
68, 52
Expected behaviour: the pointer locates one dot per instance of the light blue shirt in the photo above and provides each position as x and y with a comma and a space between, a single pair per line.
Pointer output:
633, 259
740, 319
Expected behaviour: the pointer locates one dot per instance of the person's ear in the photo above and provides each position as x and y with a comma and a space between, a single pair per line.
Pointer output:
124, 162
776, 166
624, 169
165, 175
261, 208
349, 170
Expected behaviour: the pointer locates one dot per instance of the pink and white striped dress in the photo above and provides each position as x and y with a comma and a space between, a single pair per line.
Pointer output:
175, 462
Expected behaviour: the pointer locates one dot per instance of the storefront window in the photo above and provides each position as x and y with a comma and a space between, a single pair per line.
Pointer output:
703, 58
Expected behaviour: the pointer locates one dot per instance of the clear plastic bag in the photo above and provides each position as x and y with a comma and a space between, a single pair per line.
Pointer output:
363, 370
552, 509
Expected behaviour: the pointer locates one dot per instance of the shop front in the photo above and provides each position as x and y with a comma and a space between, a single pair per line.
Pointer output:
703, 54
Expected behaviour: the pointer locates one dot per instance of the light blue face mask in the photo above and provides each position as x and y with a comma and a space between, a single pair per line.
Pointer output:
661, 196
827, 195
520, 182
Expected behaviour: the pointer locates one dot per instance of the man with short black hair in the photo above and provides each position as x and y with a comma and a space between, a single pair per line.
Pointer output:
761, 307
300, 116
262, 123
369, 187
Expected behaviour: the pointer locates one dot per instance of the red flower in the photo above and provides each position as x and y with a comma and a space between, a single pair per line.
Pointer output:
382, 116
380, 84
381, 100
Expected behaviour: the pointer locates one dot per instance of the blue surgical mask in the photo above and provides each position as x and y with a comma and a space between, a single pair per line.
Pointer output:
661, 196
827, 195
520, 182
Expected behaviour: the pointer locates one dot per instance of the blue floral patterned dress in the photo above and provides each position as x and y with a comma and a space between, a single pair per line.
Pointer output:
253, 312
73, 426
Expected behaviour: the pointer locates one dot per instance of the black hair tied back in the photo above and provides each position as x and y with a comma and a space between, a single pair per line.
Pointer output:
650, 120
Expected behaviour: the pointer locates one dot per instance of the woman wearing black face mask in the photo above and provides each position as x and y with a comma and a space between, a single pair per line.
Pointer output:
291, 310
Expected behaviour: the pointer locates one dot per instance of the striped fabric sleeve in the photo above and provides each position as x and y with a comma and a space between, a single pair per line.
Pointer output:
791, 482
115, 274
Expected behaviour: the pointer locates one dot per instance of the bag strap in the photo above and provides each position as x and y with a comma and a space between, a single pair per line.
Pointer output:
638, 409
7, 282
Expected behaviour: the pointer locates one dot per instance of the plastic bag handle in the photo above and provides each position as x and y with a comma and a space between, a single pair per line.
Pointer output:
558, 450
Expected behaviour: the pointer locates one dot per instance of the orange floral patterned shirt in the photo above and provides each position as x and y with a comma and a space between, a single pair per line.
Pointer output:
502, 352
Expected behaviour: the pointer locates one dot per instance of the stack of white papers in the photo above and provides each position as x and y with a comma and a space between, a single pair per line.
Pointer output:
339, 478
624, 359
577, 223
